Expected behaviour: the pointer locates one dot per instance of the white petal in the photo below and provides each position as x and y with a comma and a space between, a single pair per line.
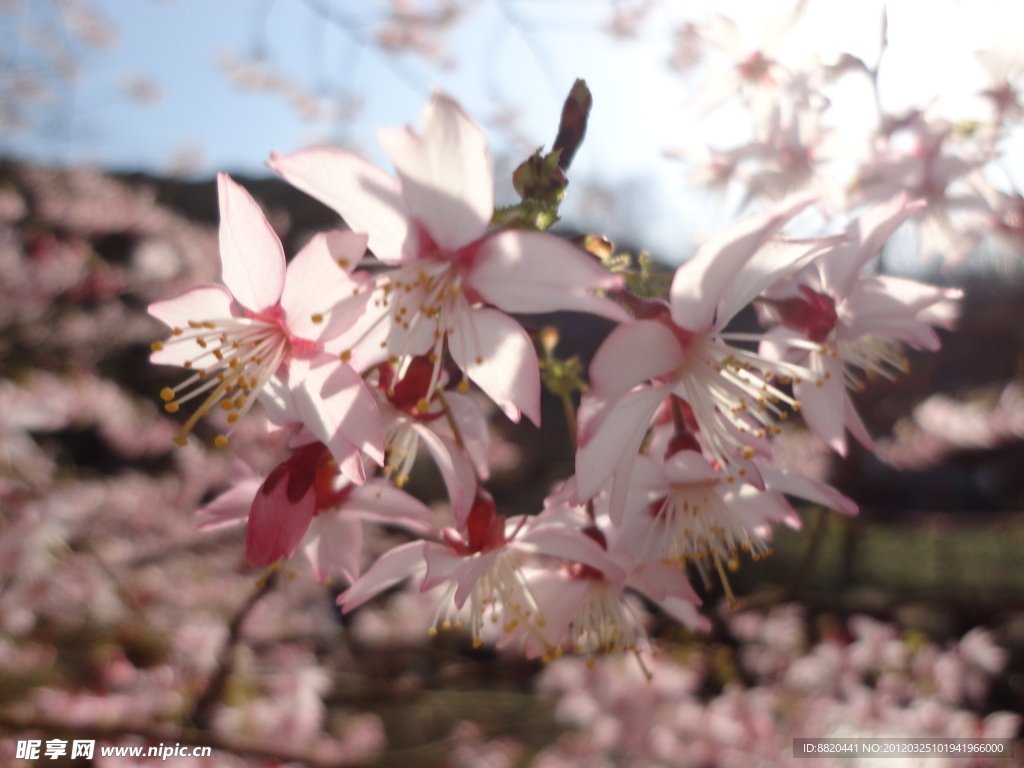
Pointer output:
472, 425
317, 300
822, 406
633, 354
455, 468
335, 545
499, 357
366, 197
381, 502
333, 401
537, 272
613, 437
772, 262
251, 257
393, 566
703, 280
801, 486
446, 174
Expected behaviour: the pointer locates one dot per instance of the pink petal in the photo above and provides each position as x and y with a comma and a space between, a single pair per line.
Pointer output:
609, 444
334, 403
472, 424
574, 546
703, 280
558, 598
393, 566
446, 174
336, 545
822, 406
318, 300
367, 198
456, 469
872, 230
658, 581
251, 257
278, 520
686, 613
277, 402
231, 507
536, 272
686, 467
855, 424
499, 357
633, 354
772, 262
444, 565
381, 502
207, 302
807, 488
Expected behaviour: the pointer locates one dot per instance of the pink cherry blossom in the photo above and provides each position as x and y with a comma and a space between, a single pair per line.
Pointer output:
680, 349
680, 508
411, 414
305, 501
432, 225
585, 603
839, 323
270, 320
481, 567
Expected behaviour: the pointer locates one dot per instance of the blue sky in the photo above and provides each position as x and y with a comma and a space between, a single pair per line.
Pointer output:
520, 53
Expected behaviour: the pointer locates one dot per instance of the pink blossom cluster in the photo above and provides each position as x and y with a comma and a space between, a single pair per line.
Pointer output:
798, 109
711, 705
114, 610
379, 339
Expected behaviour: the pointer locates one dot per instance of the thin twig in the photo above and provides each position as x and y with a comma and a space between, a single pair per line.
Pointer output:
202, 712
451, 418
570, 418
810, 556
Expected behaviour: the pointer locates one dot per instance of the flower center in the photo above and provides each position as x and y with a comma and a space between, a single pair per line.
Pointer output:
234, 358
421, 302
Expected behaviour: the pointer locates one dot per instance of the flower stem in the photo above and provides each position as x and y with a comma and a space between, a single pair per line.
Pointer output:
451, 418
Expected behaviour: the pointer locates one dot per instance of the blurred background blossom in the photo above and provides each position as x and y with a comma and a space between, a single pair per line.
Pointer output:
120, 620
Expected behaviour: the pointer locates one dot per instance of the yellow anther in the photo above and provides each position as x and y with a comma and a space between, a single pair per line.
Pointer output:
156, 346
220, 441
167, 394
446, 625
344, 263
317, 318
232, 418
171, 407
797, 405
201, 343
479, 361
477, 642
346, 355
227, 405
748, 452
176, 331
432, 632
463, 387
422, 405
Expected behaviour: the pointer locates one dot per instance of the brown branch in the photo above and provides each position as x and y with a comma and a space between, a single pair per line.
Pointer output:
202, 712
